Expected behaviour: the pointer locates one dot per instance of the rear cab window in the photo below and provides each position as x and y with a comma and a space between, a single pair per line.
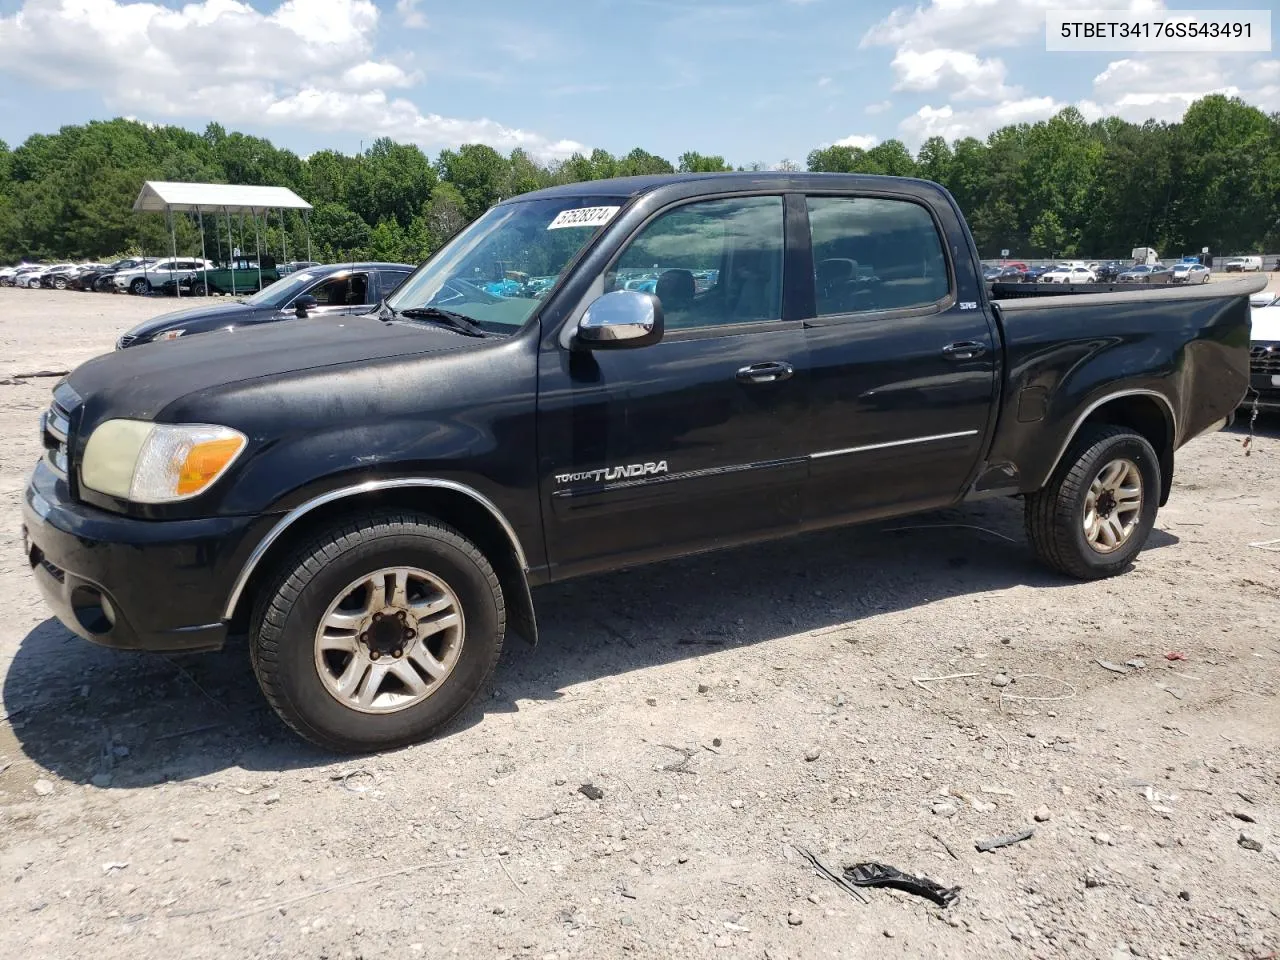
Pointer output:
872, 254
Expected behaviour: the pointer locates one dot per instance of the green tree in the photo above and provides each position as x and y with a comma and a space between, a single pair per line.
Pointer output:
478, 173
693, 162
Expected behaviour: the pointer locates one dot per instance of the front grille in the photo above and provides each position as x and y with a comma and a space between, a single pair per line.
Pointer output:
125, 341
1265, 359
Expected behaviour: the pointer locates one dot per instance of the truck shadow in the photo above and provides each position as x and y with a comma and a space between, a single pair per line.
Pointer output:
120, 720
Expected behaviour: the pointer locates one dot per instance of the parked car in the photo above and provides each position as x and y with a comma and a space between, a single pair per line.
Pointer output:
35, 278
334, 290
1067, 273
371, 498
1108, 271
56, 278
1189, 273
142, 279
1142, 273
9, 278
293, 266
1033, 274
1264, 353
1243, 265
242, 275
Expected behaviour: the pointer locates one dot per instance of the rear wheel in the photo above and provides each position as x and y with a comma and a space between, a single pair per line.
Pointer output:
1097, 511
140, 286
60, 283
378, 633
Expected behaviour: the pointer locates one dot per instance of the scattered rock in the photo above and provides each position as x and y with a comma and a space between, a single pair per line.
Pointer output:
812, 754
1136, 664
1103, 840
1184, 894
1244, 815
716, 742
111, 866
1094, 879
180, 836
888, 933
42, 787
1250, 842
794, 918
703, 688
1113, 667
651, 701
724, 942
1000, 680
270, 798
499, 910
943, 808
1042, 814
101, 779
737, 804
591, 791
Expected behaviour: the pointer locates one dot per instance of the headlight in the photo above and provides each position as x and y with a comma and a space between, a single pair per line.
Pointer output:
157, 462
168, 335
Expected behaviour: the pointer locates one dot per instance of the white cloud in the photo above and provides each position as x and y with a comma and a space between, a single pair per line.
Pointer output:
410, 15
373, 74
952, 124
824, 81
970, 76
977, 24
875, 108
226, 60
863, 141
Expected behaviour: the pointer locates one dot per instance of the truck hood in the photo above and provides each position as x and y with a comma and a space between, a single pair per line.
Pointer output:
141, 381
214, 313
1266, 324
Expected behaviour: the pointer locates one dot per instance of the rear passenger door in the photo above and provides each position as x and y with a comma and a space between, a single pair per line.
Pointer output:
902, 360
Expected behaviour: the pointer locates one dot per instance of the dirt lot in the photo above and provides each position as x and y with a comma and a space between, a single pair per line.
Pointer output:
729, 707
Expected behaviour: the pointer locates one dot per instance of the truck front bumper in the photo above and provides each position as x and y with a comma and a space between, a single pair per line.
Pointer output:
127, 583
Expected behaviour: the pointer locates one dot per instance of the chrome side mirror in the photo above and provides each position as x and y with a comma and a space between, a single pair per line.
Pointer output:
618, 320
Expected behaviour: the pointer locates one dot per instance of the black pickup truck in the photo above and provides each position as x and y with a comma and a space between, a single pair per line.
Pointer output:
588, 377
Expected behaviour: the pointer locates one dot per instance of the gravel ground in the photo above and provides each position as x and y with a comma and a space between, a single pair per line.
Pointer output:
730, 707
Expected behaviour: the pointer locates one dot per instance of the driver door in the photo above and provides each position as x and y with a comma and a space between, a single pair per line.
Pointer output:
675, 447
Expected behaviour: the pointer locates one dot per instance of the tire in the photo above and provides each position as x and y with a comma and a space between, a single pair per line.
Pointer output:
1056, 516
60, 284
303, 685
140, 287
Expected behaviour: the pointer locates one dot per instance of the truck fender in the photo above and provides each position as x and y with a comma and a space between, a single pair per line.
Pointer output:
504, 550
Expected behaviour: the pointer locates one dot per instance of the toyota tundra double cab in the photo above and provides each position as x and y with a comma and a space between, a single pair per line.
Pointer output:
370, 498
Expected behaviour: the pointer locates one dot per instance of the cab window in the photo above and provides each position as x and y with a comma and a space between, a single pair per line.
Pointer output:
350, 290
872, 254
710, 263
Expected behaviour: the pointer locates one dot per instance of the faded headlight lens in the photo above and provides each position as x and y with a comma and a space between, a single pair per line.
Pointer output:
158, 462
167, 335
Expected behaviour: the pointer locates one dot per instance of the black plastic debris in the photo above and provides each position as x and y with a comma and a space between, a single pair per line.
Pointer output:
591, 791
881, 875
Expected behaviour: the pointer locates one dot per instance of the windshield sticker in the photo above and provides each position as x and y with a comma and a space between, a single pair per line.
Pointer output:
583, 217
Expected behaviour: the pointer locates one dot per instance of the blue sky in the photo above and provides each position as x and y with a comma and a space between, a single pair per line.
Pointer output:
757, 80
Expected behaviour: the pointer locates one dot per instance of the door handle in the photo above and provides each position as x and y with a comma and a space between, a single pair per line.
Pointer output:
772, 371
963, 350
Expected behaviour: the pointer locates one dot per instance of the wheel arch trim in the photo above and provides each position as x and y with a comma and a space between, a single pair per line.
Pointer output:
1103, 401
370, 486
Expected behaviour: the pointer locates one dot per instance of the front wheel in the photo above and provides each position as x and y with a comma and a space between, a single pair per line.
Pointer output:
378, 633
140, 286
1100, 506
60, 284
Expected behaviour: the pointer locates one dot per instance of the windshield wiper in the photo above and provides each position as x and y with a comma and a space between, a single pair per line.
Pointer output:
456, 321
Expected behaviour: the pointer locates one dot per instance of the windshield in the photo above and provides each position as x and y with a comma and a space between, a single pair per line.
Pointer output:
282, 291
497, 270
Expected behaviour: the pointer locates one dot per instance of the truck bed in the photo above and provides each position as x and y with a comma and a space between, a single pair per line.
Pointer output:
1183, 347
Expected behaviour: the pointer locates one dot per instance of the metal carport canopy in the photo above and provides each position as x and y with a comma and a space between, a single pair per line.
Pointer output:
160, 197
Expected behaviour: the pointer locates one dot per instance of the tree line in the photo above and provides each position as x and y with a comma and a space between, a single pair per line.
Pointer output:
1057, 188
